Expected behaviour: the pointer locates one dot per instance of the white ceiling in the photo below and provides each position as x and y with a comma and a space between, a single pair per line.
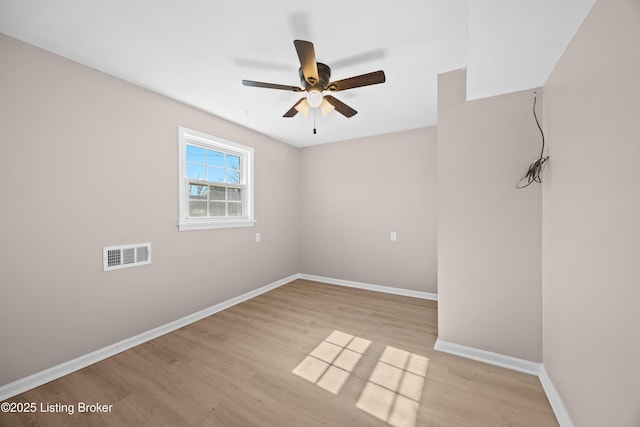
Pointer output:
198, 51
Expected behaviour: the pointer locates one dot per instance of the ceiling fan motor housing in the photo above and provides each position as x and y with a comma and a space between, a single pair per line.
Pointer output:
324, 74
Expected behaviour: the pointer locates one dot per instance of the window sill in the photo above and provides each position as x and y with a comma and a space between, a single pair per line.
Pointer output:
207, 224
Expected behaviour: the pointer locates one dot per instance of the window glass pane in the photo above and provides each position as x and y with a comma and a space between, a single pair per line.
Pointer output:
195, 171
197, 208
218, 193
233, 162
233, 177
235, 194
198, 191
215, 158
235, 209
217, 209
214, 187
216, 174
196, 154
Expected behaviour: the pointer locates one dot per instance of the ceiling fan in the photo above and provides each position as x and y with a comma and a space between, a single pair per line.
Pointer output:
315, 79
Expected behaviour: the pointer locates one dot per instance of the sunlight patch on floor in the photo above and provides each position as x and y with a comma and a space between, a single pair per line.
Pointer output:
394, 389
329, 365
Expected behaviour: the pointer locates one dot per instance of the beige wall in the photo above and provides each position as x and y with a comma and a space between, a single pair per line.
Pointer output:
353, 194
86, 161
489, 232
591, 269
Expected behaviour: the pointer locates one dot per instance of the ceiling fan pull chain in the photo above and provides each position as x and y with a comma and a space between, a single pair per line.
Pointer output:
314, 121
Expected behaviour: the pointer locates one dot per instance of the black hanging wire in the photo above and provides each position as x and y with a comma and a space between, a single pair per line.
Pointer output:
535, 168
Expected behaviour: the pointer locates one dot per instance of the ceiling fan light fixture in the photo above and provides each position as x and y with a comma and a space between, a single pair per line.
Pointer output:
326, 108
303, 107
314, 98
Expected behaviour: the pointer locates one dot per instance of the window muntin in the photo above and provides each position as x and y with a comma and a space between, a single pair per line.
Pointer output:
212, 165
216, 182
213, 201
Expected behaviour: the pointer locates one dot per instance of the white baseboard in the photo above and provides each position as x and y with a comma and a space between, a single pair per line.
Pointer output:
20, 386
521, 365
55, 372
513, 363
562, 415
370, 287
39, 378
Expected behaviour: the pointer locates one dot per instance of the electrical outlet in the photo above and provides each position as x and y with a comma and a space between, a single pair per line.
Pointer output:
394, 236
258, 238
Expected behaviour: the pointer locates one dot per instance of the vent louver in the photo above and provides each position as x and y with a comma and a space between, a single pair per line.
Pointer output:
116, 257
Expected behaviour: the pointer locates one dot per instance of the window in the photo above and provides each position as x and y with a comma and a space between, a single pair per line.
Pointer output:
216, 182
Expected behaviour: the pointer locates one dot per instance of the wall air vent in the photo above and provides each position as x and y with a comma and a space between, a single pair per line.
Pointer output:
116, 257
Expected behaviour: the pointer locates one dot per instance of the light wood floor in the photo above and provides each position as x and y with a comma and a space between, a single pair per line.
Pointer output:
235, 369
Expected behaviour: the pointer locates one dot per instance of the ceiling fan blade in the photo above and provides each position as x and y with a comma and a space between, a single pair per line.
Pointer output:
271, 85
307, 56
293, 110
362, 80
340, 106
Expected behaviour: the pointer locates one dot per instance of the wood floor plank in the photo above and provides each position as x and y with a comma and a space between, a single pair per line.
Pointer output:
234, 368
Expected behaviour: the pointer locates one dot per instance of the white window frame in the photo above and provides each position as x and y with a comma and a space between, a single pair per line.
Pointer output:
194, 137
